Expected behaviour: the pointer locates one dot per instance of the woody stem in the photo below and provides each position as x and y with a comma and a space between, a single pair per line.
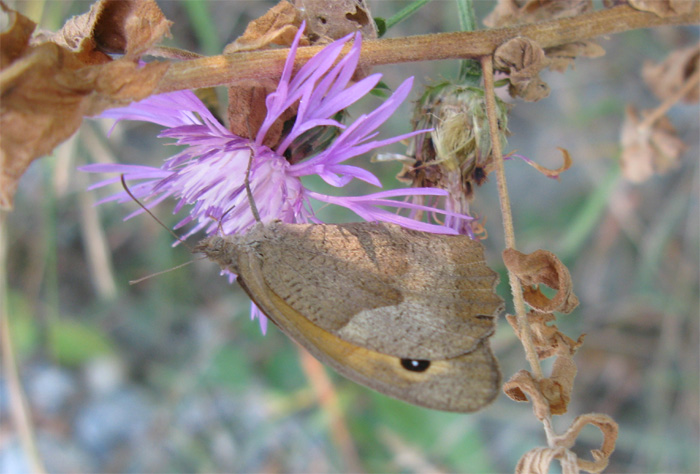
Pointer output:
256, 65
515, 288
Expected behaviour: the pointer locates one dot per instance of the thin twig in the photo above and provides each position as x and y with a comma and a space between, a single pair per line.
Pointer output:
666, 105
19, 412
515, 288
328, 399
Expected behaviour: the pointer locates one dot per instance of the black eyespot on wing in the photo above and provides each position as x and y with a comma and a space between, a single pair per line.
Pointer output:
415, 365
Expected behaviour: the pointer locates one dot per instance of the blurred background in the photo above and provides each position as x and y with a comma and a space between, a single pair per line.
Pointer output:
170, 375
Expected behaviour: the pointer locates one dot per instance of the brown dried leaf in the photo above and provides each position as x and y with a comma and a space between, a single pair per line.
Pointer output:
550, 395
561, 57
15, 39
111, 26
516, 12
544, 267
247, 110
557, 388
556, 172
538, 460
330, 20
547, 339
48, 89
663, 8
666, 78
523, 59
522, 384
276, 27
601, 456
648, 149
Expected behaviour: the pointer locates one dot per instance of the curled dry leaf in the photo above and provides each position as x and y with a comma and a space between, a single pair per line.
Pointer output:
47, 87
516, 12
601, 456
668, 77
522, 384
556, 172
538, 460
663, 8
552, 394
561, 57
276, 27
543, 267
523, 59
547, 339
648, 148
111, 26
330, 20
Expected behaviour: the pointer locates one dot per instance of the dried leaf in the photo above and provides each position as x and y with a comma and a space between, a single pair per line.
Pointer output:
276, 27
522, 384
561, 57
666, 78
663, 8
516, 12
538, 460
556, 172
112, 26
544, 267
48, 89
551, 395
15, 39
557, 387
330, 20
547, 339
523, 59
601, 456
648, 148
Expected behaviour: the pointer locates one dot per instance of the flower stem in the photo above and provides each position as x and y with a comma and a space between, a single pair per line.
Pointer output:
507, 215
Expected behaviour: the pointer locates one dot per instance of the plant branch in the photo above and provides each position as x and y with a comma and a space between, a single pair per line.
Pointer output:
226, 69
515, 288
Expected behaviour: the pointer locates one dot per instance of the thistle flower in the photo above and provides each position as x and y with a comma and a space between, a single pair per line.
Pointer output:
209, 174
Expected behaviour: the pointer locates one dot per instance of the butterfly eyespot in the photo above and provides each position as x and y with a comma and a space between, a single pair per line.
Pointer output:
415, 365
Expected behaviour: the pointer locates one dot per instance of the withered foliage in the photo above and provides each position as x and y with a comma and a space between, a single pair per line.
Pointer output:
516, 12
648, 148
523, 58
663, 8
48, 82
542, 267
668, 77
328, 21
551, 395
537, 461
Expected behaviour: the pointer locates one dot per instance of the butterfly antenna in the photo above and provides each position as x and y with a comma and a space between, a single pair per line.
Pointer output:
131, 195
134, 282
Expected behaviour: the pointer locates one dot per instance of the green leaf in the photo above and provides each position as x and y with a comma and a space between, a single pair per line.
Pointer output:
72, 342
